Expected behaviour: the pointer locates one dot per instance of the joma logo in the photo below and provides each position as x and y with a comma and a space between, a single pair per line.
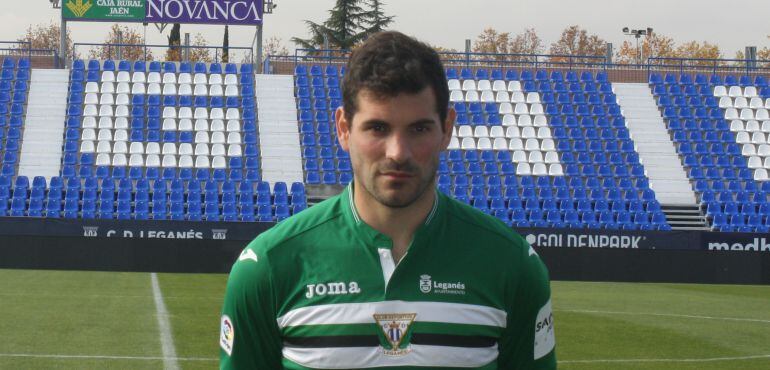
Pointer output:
336, 288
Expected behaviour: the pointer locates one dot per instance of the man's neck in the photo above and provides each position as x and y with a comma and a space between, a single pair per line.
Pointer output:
399, 224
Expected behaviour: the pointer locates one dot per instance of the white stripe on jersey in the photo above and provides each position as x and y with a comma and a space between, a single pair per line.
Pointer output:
368, 357
362, 313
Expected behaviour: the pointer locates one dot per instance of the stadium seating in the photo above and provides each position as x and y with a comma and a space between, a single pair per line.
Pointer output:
531, 148
149, 141
14, 89
720, 127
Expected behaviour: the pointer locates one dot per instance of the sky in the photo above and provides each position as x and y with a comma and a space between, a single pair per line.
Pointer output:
449, 23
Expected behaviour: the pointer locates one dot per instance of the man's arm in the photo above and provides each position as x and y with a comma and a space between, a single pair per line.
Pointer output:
249, 335
528, 341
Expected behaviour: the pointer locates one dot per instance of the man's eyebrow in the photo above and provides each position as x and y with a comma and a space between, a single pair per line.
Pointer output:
374, 121
422, 121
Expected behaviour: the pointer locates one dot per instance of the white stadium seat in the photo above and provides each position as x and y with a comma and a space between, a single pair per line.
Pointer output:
202, 161
152, 160
136, 160
234, 151
499, 85
185, 78
169, 78
138, 77
500, 144
468, 144
123, 76
119, 160
185, 161
120, 147
169, 89
169, 161
185, 113
202, 149
185, 149
152, 148
169, 149
219, 162
555, 169
215, 79
154, 77
522, 169
138, 89
509, 120
103, 159
136, 148
539, 169
484, 85
514, 86
106, 99
484, 144
108, 76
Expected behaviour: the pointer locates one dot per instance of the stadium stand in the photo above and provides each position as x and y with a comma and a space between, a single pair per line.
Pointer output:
14, 88
720, 126
529, 147
154, 141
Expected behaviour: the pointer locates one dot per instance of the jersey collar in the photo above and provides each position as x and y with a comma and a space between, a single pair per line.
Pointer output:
370, 235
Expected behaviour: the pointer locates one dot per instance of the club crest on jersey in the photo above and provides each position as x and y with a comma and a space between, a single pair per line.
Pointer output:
425, 283
395, 332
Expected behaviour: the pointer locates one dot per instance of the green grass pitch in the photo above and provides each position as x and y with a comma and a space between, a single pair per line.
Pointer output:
108, 320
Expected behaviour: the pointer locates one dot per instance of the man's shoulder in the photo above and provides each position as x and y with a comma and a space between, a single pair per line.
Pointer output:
310, 220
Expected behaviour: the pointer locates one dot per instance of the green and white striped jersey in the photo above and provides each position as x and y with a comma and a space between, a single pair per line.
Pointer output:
320, 290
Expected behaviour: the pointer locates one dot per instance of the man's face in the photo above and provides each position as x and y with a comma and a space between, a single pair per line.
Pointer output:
394, 145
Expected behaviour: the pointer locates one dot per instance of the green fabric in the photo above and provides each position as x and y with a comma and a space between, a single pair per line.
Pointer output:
492, 269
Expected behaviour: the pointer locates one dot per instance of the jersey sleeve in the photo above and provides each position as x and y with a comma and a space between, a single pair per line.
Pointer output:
528, 342
249, 335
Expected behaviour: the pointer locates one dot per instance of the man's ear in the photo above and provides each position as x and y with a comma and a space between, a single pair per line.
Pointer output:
449, 125
343, 128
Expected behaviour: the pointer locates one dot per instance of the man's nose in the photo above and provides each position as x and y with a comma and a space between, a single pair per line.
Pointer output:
398, 148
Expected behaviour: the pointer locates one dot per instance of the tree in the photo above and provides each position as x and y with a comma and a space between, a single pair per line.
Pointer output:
376, 19
130, 37
576, 41
226, 46
274, 46
696, 50
200, 54
343, 29
349, 24
48, 36
448, 53
174, 40
493, 42
527, 42
654, 46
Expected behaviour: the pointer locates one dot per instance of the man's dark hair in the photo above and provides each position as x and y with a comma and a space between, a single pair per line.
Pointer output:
390, 63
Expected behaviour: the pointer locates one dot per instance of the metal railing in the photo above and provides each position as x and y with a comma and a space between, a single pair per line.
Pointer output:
146, 52
24, 49
713, 66
616, 72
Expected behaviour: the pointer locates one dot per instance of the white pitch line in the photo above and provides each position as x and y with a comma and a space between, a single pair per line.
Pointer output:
712, 359
668, 315
144, 358
166, 340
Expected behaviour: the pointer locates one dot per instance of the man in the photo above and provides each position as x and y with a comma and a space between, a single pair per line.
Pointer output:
390, 273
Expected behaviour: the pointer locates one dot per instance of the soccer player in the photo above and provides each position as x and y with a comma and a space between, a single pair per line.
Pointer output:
390, 273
